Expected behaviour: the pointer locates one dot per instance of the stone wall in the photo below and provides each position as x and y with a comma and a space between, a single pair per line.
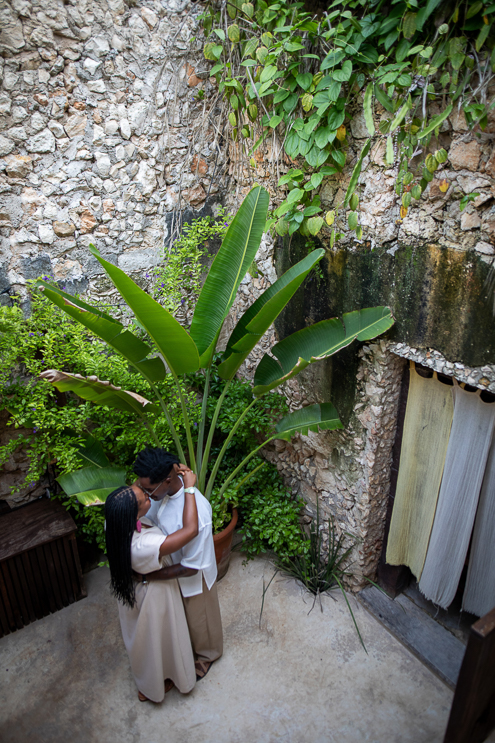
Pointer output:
104, 135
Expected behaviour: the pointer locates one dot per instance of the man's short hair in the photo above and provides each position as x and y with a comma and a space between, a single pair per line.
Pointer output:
154, 463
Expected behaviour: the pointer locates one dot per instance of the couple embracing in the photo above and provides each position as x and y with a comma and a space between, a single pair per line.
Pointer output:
163, 571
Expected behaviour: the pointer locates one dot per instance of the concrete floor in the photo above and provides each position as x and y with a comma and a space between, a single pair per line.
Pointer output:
301, 677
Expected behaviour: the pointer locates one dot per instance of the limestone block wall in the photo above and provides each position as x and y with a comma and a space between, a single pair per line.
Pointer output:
104, 135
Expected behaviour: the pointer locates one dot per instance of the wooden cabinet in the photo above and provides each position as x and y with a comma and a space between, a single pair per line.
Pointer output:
40, 571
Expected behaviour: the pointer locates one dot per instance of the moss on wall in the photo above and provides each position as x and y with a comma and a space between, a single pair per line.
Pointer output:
437, 295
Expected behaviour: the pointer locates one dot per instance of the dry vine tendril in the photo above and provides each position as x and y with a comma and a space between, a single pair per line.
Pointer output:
297, 79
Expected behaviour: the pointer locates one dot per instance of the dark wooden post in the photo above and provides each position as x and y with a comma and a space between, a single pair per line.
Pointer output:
472, 716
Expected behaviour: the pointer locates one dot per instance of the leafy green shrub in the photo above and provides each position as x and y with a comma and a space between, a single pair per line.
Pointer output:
177, 280
59, 424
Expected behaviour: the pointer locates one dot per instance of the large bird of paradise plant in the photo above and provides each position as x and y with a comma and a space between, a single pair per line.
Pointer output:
174, 350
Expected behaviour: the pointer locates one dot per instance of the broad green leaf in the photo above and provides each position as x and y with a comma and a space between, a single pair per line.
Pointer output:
108, 329
322, 417
339, 157
482, 37
425, 13
409, 25
436, 121
101, 393
268, 73
92, 485
173, 342
368, 113
356, 172
314, 225
274, 121
262, 313
335, 118
352, 220
304, 80
231, 263
383, 98
317, 342
332, 59
343, 75
92, 451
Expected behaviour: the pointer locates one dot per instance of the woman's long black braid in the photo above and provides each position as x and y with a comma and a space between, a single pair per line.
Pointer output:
121, 510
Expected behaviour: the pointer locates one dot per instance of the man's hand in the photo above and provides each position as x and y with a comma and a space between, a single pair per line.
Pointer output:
188, 476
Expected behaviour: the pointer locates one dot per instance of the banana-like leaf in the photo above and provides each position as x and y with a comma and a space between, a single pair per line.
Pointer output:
311, 418
92, 485
236, 254
258, 318
92, 452
318, 342
101, 393
174, 343
108, 329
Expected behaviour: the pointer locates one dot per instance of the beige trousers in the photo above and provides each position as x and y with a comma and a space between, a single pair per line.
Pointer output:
205, 623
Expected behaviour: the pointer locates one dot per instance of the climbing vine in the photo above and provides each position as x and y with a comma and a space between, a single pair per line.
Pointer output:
294, 80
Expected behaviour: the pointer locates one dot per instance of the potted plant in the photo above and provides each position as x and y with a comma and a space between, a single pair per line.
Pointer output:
171, 349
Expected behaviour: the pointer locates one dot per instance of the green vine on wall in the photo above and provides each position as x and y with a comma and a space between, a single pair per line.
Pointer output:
298, 79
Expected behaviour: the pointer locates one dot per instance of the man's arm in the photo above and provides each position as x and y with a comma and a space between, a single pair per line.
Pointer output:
168, 573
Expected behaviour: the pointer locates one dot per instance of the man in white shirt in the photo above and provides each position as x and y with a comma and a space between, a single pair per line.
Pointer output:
158, 474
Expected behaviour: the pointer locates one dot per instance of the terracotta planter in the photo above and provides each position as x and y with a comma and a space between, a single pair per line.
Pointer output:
223, 545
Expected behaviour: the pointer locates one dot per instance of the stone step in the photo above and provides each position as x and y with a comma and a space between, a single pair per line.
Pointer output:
434, 645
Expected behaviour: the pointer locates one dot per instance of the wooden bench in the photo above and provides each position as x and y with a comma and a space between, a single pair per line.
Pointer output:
40, 571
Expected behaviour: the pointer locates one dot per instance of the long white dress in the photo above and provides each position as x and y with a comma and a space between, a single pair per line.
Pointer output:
155, 630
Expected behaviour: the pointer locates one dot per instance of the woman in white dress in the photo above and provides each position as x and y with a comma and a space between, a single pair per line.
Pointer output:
151, 611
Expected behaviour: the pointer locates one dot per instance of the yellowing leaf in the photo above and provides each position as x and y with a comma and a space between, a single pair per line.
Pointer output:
252, 162
307, 102
330, 218
403, 211
444, 185
340, 133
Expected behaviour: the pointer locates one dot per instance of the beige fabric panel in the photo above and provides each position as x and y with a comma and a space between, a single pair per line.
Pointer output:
425, 439
479, 593
465, 463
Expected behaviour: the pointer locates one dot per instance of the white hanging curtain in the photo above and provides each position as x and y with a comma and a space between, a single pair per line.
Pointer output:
425, 440
465, 463
479, 593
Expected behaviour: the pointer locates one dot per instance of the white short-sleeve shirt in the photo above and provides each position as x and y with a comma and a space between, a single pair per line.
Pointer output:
199, 553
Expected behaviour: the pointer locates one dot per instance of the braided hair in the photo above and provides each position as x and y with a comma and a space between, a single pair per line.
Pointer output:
121, 510
154, 463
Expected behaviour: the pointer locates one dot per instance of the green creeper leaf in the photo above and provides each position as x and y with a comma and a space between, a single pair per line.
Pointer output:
295, 195
431, 163
389, 154
427, 175
408, 178
436, 121
335, 118
274, 121
352, 220
268, 73
262, 313
92, 485
406, 199
232, 118
304, 80
482, 37
315, 224
354, 201
252, 111
282, 227
310, 211
248, 9
261, 54
332, 59
233, 33
317, 342
330, 218
383, 99
474, 9
359, 232
441, 156
220, 33
344, 74
339, 157
416, 192
101, 393
250, 47
402, 50
409, 25
322, 417
368, 113
231, 263
234, 102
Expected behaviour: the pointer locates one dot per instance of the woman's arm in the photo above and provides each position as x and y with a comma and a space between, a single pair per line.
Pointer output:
189, 530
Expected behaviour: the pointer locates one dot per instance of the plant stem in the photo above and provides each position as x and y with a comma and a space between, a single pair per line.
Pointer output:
175, 436
227, 441
187, 425
201, 432
151, 430
202, 474
241, 465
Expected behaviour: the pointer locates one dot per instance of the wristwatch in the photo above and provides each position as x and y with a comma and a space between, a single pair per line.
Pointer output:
189, 490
